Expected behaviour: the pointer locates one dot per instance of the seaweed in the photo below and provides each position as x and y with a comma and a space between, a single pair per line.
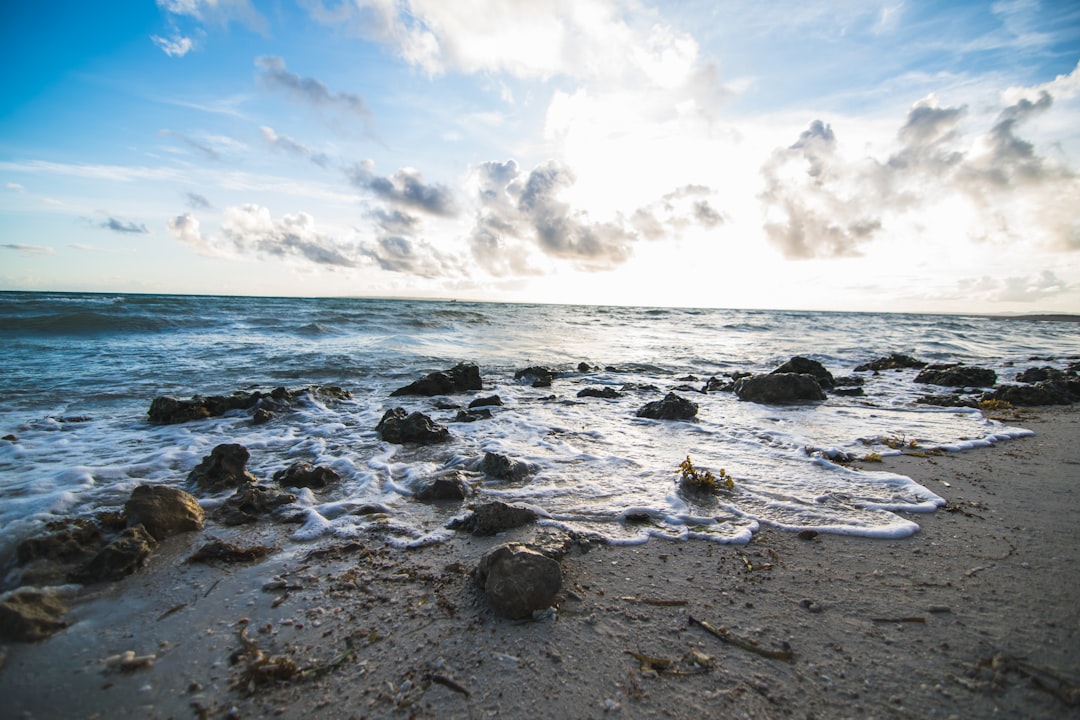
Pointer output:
691, 478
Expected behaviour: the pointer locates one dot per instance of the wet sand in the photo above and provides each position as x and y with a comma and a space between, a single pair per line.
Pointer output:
976, 615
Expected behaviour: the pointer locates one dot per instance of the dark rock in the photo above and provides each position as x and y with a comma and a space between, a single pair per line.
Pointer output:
850, 381
948, 401
250, 503
957, 376
536, 376
609, 393
493, 518
68, 540
518, 581
306, 475
167, 410
221, 551
779, 388
584, 367
123, 556
672, 407
261, 416
398, 427
450, 485
30, 616
806, 366
1041, 374
10, 438
472, 415
460, 378
849, 391
503, 468
486, 401
715, 384
894, 361
1042, 393
223, 469
163, 511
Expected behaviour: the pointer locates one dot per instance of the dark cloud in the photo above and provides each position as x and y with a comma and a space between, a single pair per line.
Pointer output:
395, 253
927, 137
1013, 159
309, 90
130, 228
286, 144
406, 188
396, 222
195, 201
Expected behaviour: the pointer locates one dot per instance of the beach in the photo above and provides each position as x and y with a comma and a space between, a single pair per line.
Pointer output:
975, 615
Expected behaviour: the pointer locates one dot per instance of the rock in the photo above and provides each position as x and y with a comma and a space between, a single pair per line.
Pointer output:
957, 376
503, 468
849, 391
715, 384
948, 401
398, 427
167, 410
584, 367
1047, 392
305, 475
1042, 374
806, 366
518, 581
894, 361
779, 388
30, 616
493, 518
486, 401
472, 415
672, 407
460, 378
163, 511
450, 485
224, 468
250, 503
609, 393
536, 376
221, 551
261, 416
68, 540
120, 558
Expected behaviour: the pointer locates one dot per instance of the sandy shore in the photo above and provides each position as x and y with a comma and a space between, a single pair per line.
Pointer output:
977, 615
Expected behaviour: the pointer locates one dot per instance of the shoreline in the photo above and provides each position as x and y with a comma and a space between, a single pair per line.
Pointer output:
974, 615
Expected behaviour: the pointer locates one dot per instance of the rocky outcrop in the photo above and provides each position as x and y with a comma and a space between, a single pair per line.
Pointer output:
306, 475
460, 378
536, 376
168, 410
450, 485
30, 616
609, 393
120, 558
249, 504
163, 511
224, 468
400, 427
493, 518
893, 361
518, 581
957, 376
1048, 392
779, 388
68, 540
806, 366
672, 407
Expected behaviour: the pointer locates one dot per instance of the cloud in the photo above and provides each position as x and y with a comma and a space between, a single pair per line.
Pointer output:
195, 201
28, 249
176, 46
288, 145
217, 12
309, 90
251, 229
676, 211
406, 188
1016, 289
395, 253
396, 222
15, 186
127, 228
187, 229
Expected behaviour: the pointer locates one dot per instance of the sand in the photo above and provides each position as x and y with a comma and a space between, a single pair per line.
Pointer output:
976, 615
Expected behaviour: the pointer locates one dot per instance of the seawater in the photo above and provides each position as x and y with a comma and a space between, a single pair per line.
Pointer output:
80, 371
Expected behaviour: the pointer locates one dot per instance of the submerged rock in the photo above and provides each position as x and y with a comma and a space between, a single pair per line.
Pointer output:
450, 485
398, 427
503, 468
536, 376
893, 361
30, 616
472, 415
957, 376
806, 366
221, 551
305, 475
163, 511
518, 581
493, 518
460, 378
120, 558
168, 410
249, 504
672, 407
606, 392
779, 388
486, 402
223, 469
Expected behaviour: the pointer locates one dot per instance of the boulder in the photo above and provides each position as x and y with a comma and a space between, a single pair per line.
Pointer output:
163, 511
450, 485
398, 427
779, 388
1047, 392
957, 376
31, 615
536, 376
305, 475
486, 402
967, 401
250, 503
460, 378
518, 581
493, 518
503, 468
1041, 374
68, 540
221, 551
223, 469
893, 361
120, 558
806, 366
672, 407
608, 393
472, 415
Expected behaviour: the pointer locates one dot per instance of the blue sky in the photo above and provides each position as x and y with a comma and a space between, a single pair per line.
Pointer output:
915, 156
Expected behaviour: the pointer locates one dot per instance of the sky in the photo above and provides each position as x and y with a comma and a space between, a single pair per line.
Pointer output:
846, 155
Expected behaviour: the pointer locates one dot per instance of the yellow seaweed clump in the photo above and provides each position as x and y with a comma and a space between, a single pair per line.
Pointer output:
691, 478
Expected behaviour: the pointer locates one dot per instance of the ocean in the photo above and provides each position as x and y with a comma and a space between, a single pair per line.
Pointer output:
80, 372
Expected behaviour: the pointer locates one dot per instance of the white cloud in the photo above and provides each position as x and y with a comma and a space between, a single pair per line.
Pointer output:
28, 249
176, 46
218, 12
